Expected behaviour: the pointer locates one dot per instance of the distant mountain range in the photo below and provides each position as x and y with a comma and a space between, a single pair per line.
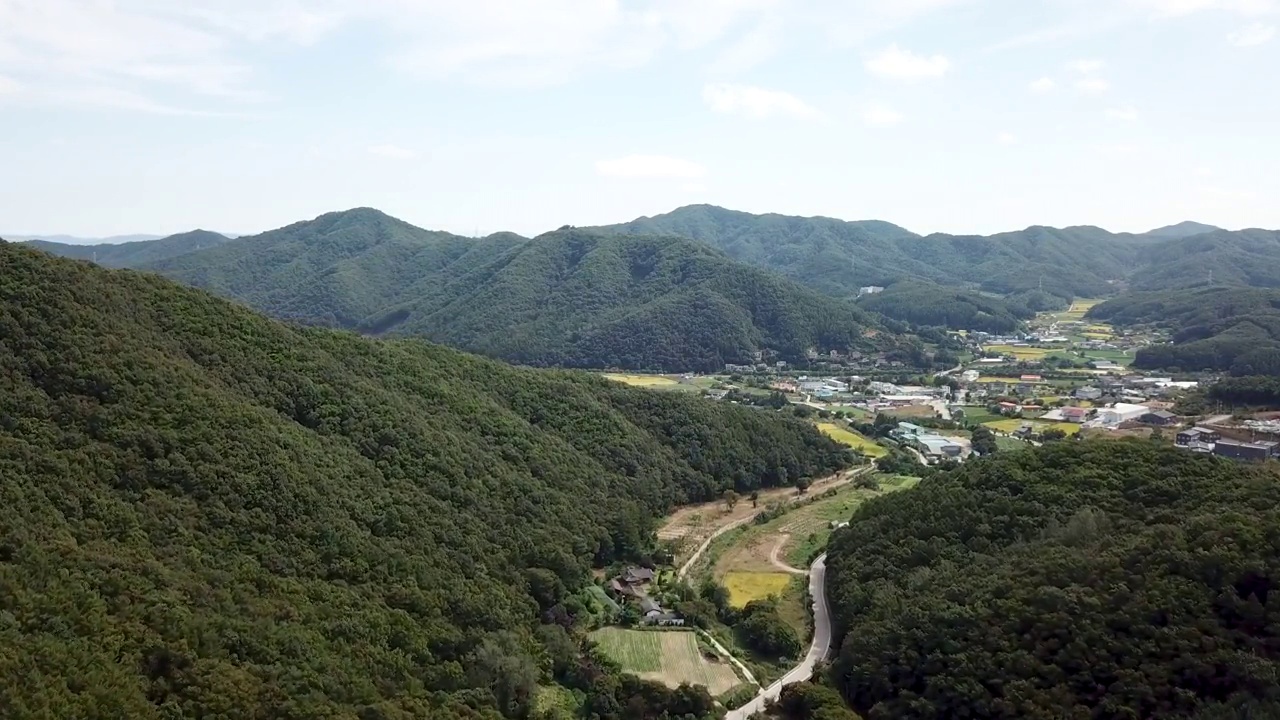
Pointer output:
135, 253
692, 289
572, 298
75, 240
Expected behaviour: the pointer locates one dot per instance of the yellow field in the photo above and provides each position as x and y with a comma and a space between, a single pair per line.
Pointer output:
643, 380
1011, 425
999, 379
1077, 310
853, 440
1021, 353
747, 586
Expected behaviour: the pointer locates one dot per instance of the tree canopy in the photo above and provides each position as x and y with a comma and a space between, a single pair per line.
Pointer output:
207, 513
571, 298
1091, 579
923, 303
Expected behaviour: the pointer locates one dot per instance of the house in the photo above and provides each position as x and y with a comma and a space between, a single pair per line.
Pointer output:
1105, 365
1088, 393
1031, 378
632, 582
1009, 408
1025, 430
1254, 451
991, 361
870, 290
1074, 414
1158, 417
970, 376
650, 608
1197, 435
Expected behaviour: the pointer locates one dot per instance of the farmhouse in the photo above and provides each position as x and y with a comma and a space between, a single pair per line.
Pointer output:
1088, 393
1074, 414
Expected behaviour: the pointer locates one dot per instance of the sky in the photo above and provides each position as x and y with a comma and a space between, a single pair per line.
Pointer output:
960, 116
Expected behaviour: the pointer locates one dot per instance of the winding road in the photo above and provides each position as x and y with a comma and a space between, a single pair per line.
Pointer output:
818, 649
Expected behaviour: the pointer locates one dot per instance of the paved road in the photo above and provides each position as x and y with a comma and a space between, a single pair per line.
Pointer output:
818, 649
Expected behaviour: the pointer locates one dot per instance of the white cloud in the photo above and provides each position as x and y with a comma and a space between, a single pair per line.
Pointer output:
1176, 8
1252, 34
1093, 86
1087, 67
393, 152
1007, 138
896, 63
650, 166
755, 102
1127, 113
877, 114
746, 52
1043, 85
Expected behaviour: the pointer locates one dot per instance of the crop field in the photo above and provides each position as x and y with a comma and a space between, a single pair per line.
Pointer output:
1077, 310
1021, 353
670, 657
647, 381
858, 442
1011, 425
744, 586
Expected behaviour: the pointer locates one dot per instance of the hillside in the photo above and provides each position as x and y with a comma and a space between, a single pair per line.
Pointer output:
135, 253
1213, 328
837, 257
1180, 230
923, 303
1248, 257
570, 298
206, 513
1101, 579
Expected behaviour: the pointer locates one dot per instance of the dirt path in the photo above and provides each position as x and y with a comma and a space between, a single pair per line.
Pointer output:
835, 481
773, 557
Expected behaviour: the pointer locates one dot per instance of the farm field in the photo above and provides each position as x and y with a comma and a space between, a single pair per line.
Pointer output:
1021, 353
912, 411
745, 586
865, 445
692, 524
1077, 310
1008, 444
670, 657
653, 382
979, 414
1012, 424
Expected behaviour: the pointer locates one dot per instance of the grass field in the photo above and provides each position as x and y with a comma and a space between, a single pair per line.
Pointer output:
1012, 424
978, 414
744, 587
1008, 444
669, 657
858, 442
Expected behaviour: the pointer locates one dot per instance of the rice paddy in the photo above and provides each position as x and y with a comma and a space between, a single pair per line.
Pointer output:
744, 586
1012, 424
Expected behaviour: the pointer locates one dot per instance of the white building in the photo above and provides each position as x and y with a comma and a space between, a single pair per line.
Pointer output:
870, 290
1122, 412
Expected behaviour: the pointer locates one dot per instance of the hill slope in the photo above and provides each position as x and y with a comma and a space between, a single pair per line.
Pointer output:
1247, 257
208, 513
923, 303
1094, 579
1181, 230
136, 253
570, 298
837, 257
1215, 328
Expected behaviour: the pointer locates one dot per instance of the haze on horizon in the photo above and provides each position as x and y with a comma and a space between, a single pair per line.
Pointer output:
959, 116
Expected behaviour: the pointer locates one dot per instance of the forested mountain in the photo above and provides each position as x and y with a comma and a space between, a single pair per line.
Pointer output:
135, 253
1247, 257
569, 298
206, 513
1180, 230
925, 303
1100, 579
838, 257
1214, 328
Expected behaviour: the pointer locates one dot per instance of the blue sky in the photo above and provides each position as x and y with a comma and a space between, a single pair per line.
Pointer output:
963, 116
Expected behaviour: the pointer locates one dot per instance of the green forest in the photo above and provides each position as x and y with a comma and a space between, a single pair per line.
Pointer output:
135, 254
1235, 329
1095, 579
567, 299
837, 257
922, 303
207, 513
1249, 258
